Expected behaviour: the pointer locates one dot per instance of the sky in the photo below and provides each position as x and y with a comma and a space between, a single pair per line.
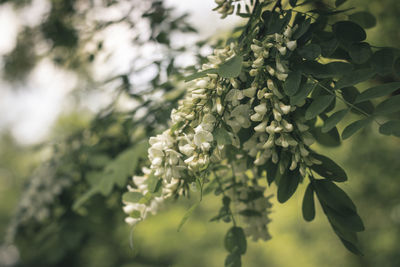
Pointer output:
30, 111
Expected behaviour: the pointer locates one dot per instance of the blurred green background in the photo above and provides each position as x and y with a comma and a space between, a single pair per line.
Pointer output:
99, 237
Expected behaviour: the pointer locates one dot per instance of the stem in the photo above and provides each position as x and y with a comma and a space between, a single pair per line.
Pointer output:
223, 193
278, 3
344, 100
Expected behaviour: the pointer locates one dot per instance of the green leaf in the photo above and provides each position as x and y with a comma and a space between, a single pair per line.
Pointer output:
292, 3
200, 74
390, 105
302, 29
390, 128
364, 19
85, 197
329, 139
328, 169
187, 215
349, 32
339, 2
333, 69
288, 185
353, 127
351, 222
350, 94
355, 77
360, 52
233, 260
222, 137
292, 83
383, 61
319, 104
377, 91
331, 195
310, 51
133, 197
271, 169
273, 23
231, 68
336, 69
351, 247
152, 182
308, 206
235, 240
396, 67
333, 120
299, 98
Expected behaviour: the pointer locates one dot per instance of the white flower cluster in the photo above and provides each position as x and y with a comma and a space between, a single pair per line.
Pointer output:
273, 112
253, 102
254, 209
41, 191
139, 211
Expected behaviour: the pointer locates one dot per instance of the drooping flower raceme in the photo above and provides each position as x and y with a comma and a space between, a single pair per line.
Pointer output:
245, 120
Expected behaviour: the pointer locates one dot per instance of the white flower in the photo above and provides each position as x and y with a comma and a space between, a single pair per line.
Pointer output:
292, 45
202, 139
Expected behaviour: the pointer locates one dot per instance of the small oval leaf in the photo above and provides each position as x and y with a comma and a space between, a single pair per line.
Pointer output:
354, 127
333, 120
308, 206
319, 104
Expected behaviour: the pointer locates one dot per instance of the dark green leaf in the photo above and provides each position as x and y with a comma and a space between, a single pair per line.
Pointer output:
336, 69
293, 2
329, 169
350, 94
187, 215
333, 120
310, 51
378, 91
331, 195
353, 127
292, 83
233, 260
390, 105
349, 32
273, 23
383, 61
363, 18
132, 197
271, 169
308, 206
360, 52
231, 68
355, 77
339, 2
351, 222
319, 104
351, 247
299, 98
390, 128
396, 67
235, 240
288, 185
329, 139
303, 28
